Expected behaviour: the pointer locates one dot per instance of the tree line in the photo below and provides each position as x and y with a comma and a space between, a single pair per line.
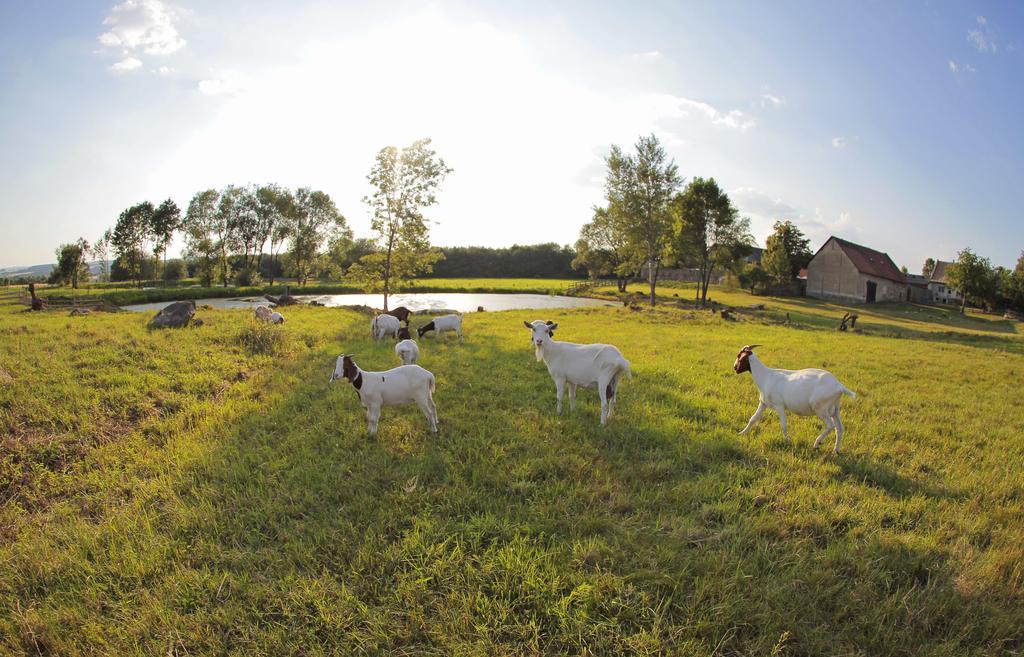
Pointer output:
981, 284
651, 220
228, 232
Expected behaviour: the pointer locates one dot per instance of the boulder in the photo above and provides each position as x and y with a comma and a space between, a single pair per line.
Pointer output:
176, 315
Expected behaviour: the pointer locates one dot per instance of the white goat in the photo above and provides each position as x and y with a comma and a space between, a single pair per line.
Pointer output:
586, 365
408, 352
268, 315
442, 324
804, 392
383, 326
401, 385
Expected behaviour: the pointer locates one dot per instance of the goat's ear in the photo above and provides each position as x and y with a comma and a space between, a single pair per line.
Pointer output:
527, 324
552, 326
549, 322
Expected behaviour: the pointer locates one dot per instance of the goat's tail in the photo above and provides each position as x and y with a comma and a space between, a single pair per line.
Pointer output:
432, 383
847, 391
625, 368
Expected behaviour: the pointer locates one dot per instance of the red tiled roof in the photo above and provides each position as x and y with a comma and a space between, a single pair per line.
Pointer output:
871, 262
941, 271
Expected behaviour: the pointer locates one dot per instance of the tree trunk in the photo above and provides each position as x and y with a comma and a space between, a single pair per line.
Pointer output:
652, 278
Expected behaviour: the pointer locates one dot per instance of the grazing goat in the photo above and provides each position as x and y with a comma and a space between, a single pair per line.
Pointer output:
403, 333
383, 326
402, 385
586, 365
407, 351
441, 325
268, 315
804, 392
401, 313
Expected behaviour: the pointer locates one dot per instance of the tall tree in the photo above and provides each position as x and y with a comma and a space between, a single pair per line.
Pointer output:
796, 245
1015, 288
314, 219
776, 261
101, 253
603, 250
405, 183
280, 231
268, 206
71, 264
928, 268
200, 239
163, 223
129, 238
225, 227
708, 231
639, 189
973, 276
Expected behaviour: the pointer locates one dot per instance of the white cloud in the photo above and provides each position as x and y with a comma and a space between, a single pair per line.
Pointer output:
769, 100
125, 65
734, 119
650, 55
765, 209
146, 25
164, 70
982, 38
225, 83
960, 68
839, 142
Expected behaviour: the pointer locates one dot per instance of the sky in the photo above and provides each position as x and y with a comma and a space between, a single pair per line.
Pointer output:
895, 125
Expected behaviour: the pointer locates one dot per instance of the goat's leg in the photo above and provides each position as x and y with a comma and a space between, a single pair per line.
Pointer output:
433, 410
829, 426
782, 422
602, 391
572, 396
424, 404
372, 416
755, 417
559, 387
839, 430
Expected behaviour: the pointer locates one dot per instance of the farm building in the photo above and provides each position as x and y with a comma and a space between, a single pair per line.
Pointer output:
919, 292
844, 271
939, 287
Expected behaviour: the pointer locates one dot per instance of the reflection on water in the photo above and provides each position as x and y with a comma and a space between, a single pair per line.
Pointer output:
458, 302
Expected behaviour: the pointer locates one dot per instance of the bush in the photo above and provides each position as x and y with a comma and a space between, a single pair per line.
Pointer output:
247, 278
264, 339
175, 270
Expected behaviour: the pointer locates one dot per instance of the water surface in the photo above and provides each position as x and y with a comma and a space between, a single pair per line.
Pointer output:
420, 301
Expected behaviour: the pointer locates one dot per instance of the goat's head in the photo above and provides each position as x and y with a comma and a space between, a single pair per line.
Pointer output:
344, 368
429, 326
742, 363
541, 331
403, 334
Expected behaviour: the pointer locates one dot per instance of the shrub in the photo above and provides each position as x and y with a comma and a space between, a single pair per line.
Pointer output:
264, 339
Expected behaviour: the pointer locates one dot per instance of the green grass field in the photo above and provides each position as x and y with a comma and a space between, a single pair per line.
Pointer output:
206, 491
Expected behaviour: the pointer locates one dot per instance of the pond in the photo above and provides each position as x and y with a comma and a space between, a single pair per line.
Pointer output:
429, 302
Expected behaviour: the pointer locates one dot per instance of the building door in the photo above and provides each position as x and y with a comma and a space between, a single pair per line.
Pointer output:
872, 291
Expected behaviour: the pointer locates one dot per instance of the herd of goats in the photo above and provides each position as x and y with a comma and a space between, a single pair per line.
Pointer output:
803, 392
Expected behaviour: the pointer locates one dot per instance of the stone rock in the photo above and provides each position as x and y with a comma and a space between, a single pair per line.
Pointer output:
176, 315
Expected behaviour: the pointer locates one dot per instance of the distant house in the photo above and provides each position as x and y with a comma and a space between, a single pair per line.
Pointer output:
755, 256
939, 287
919, 292
844, 271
